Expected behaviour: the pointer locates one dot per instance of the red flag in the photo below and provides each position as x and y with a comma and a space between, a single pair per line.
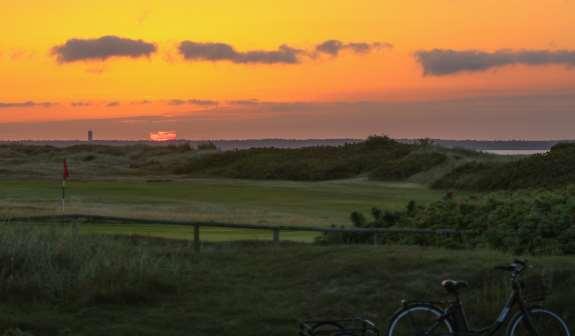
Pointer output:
66, 173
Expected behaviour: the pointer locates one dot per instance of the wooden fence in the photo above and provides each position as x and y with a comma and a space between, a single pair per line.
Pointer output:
275, 230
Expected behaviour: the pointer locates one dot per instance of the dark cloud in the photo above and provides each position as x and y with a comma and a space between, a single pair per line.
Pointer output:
198, 51
101, 49
331, 47
199, 102
177, 102
441, 62
113, 104
141, 102
207, 51
26, 104
334, 47
80, 104
244, 102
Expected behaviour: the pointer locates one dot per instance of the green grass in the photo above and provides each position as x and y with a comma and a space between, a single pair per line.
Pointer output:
221, 200
239, 288
128, 279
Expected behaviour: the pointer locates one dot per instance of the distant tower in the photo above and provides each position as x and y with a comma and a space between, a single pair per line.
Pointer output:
90, 135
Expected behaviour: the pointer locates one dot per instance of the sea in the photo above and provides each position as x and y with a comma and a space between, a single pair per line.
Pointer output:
516, 151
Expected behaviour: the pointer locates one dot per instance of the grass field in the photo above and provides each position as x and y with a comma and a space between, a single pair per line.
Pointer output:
220, 200
237, 288
99, 282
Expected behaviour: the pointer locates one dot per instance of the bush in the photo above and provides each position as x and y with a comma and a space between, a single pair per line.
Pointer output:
549, 170
207, 146
533, 223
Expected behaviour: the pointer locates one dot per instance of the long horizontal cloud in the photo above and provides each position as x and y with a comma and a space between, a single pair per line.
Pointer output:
80, 104
102, 48
334, 47
209, 51
199, 51
198, 102
441, 62
244, 102
25, 104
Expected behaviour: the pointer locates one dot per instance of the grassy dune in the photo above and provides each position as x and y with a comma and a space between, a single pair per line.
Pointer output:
90, 285
379, 158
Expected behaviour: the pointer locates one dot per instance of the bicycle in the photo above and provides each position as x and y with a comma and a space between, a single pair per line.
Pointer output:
427, 319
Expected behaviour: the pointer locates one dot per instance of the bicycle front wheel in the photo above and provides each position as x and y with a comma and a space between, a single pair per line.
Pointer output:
543, 321
419, 320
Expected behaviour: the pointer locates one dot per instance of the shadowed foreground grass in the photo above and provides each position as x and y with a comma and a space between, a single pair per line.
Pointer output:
55, 281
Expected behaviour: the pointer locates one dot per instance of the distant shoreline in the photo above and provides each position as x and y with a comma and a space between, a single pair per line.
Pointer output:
483, 145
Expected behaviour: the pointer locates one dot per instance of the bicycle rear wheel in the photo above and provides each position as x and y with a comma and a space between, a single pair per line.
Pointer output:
419, 320
545, 323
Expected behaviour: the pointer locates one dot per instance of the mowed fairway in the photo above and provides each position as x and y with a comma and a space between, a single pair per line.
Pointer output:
219, 200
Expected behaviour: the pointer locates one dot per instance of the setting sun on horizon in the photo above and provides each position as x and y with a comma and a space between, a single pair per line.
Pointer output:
163, 136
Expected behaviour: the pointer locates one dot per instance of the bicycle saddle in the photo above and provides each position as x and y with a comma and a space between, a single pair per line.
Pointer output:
453, 286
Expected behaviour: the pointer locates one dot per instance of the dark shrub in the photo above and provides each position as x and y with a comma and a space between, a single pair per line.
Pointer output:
549, 170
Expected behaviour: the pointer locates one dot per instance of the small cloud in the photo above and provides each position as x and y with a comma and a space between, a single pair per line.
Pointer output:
334, 47
198, 102
442, 62
26, 104
244, 102
80, 104
141, 102
113, 104
101, 49
199, 51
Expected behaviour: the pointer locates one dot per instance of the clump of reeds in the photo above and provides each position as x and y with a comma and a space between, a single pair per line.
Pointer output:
55, 264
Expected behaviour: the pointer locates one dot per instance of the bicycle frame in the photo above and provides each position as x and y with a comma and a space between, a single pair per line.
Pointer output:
455, 315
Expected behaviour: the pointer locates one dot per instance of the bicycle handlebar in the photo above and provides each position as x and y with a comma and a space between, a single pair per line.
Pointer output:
516, 267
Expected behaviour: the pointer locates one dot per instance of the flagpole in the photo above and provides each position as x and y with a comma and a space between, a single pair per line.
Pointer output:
63, 194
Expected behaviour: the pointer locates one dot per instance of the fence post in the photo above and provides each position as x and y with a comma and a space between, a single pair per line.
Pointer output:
197, 237
376, 238
276, 236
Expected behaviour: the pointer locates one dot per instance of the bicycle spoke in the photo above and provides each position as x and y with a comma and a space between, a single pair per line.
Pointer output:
419, 321
543, 323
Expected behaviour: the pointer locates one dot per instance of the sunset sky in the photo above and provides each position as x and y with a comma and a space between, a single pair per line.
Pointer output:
479, 69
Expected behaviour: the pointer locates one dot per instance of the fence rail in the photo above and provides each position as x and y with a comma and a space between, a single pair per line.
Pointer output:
275, 229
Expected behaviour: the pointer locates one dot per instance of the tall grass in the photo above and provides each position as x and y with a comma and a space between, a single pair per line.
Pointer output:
56, 282
58, 264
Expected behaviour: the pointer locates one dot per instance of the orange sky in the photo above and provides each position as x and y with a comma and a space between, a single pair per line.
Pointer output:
30, 72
